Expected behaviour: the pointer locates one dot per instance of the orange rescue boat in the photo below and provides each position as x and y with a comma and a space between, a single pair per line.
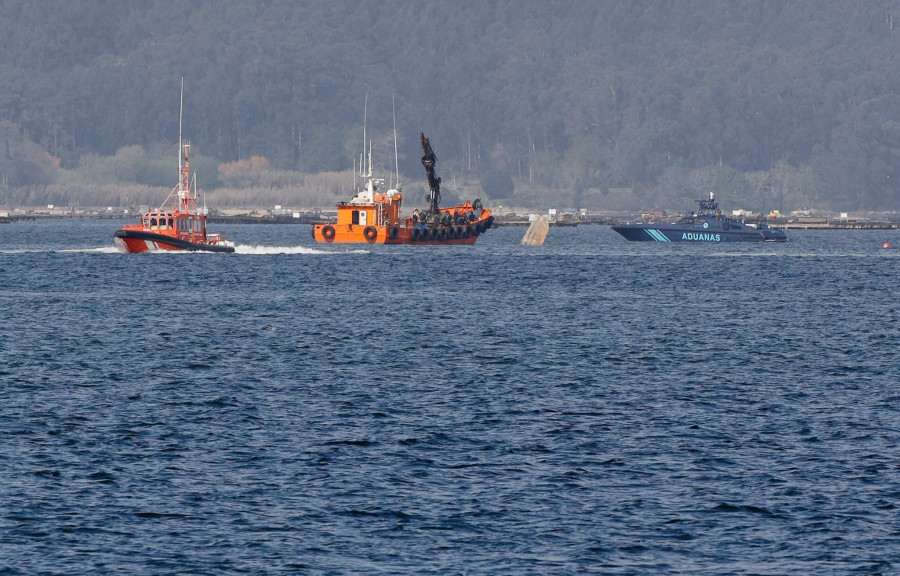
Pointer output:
180, 226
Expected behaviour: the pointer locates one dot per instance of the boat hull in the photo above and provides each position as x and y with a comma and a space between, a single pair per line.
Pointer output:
773, 235
400, 234
695, 234
709, 226
136, 241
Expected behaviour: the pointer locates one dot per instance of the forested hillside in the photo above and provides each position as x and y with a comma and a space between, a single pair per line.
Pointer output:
579, 103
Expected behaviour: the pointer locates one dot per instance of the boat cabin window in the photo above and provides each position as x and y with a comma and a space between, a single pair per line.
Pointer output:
359, 217
160, 221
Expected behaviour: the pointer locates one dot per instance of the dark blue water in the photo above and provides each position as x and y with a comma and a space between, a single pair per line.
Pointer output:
588, 406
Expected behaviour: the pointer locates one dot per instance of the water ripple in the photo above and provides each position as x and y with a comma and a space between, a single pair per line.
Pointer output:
587, 407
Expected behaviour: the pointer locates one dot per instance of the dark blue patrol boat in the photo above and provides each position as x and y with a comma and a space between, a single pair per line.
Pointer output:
707, 225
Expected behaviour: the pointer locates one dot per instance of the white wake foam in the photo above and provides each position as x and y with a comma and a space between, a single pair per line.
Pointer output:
100, 250
238, 249
242, 249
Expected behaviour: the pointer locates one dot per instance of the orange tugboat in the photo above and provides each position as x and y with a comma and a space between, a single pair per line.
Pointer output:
180, 226
372, 216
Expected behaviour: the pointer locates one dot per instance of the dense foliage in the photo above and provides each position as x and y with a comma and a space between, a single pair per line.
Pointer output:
777, 104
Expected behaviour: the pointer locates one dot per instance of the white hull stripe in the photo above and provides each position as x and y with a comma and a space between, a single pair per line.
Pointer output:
657, 235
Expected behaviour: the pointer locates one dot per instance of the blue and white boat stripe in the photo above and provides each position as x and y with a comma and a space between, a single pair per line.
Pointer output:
657, 235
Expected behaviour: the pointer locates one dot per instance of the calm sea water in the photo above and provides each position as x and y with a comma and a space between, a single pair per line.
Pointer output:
587, 406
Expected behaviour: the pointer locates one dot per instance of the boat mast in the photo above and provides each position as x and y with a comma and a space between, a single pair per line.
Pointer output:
180, 116
184, 171
365, 116
396, 156
182, 176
